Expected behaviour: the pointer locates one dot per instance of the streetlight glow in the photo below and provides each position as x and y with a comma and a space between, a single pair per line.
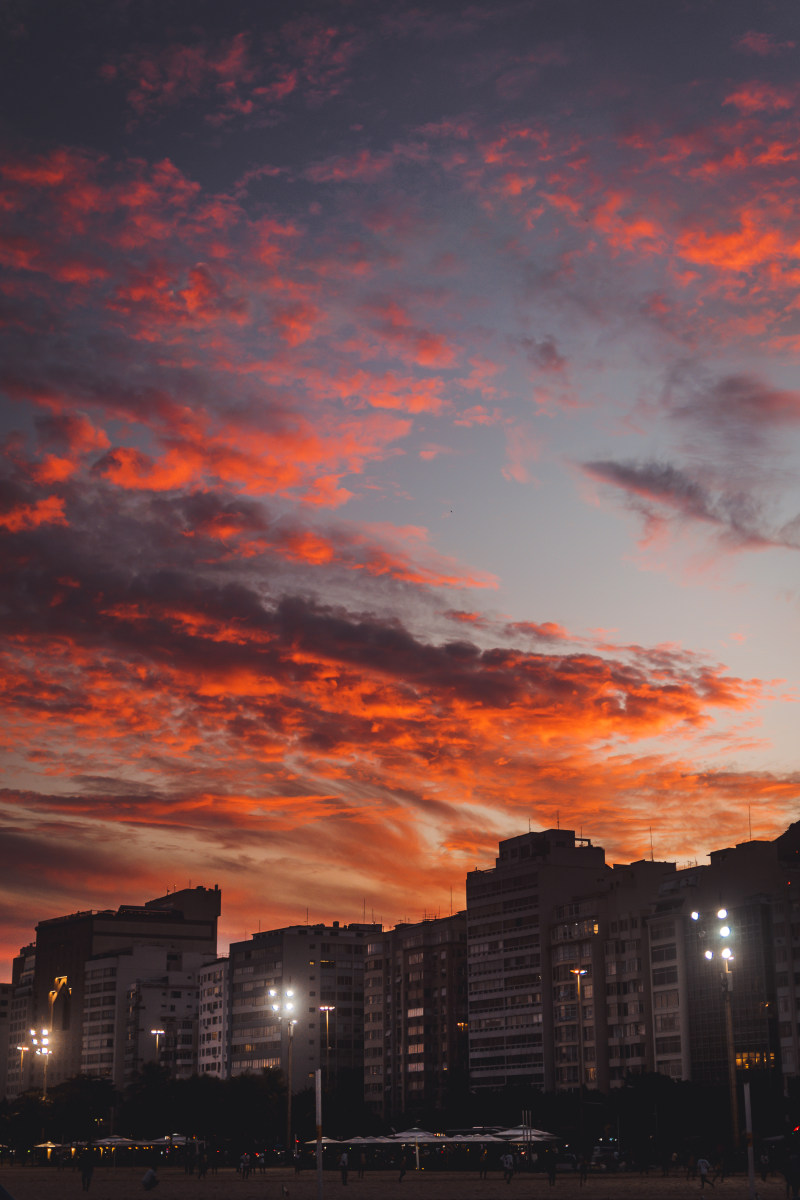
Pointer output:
727, 952
709, 953
722, 914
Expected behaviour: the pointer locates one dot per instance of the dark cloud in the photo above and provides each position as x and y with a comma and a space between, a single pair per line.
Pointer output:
661, 493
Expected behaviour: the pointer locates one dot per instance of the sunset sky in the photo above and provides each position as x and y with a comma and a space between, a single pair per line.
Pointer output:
400, 432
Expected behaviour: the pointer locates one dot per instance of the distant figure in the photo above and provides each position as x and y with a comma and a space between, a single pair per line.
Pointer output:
550, 1167
362, 1162
87, 1167
508, 1166
583, 1168
344, 1163
483, 1164
403, 1167
244, 1165
149, 1179
703, 1167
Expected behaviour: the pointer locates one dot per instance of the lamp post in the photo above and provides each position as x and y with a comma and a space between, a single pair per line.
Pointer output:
40, 1042
158, 1034
578, 972
22, 1050
59, 985
722, 932
284, 1006
327, 1009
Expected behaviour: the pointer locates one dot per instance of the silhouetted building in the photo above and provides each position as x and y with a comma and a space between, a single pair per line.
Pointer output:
312, 976
415, 1016
512, 987
53, 978
213, 1023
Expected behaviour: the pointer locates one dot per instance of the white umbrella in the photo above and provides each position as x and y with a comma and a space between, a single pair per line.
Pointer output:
415, 1135
523, 1133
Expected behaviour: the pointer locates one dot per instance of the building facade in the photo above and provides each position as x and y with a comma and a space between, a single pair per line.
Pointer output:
415, 1016
50, 978
298, 993
213, 1024
513, 994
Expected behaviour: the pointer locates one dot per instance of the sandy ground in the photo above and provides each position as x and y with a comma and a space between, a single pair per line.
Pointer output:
26, 1183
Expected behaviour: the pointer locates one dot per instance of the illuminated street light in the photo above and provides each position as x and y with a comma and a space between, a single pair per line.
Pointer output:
40, 1042
726, 977
22, 1050
578, 972
158, 1034
284, 1007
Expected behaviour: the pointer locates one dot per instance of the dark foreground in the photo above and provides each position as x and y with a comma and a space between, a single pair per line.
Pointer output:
124, 1183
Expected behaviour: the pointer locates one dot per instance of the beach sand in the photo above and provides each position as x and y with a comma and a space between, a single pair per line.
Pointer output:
124, 1183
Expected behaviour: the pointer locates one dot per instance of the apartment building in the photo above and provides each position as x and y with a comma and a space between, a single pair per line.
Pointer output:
213, 1024
298, 994
49, 981
512, 992
415, 1015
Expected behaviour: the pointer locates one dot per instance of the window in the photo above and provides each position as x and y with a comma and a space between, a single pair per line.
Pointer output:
664, 975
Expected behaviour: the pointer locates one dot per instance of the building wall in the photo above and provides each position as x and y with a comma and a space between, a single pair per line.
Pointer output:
213, 1033
510, 911
321, 965
185, 921
20, 1069
415, 1025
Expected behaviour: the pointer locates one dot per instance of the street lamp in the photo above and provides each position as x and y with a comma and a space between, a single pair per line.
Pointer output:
158, 1034
722, 932
22, 1050
59, 985
327, 1009
284, 1006
577, 972
40, 1042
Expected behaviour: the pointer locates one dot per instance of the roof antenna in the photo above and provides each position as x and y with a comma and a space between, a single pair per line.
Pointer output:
558, 819
652, 859
749, 823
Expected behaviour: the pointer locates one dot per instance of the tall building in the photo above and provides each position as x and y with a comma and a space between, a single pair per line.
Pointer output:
5, 1031
513, 992
19, 1068
213, 1023
415, 1015
50, 982
309, 976
584, 973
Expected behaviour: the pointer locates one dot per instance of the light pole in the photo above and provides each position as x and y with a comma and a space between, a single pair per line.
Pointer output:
59, 985
284, 1006
722, 934
577, 972
327, 1009
22, 1050
158, 1034
40, 1042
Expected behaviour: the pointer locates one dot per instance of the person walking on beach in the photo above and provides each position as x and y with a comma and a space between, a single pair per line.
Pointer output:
483, 1164
403, 1167
508, 1166
703, 1168
87, 1167
344, 1163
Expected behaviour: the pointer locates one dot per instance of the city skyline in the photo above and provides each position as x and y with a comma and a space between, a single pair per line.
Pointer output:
398, 416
